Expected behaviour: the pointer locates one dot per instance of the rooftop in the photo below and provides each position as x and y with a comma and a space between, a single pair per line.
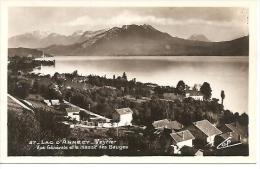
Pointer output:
72, 109
123, 111
160, 123
193, 93
235, 129
225, 135
174, 125
182, 136
207, 128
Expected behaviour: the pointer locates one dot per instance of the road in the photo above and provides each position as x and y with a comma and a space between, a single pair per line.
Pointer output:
18, 102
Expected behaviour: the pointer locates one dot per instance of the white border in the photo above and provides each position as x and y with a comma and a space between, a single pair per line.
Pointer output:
251, 4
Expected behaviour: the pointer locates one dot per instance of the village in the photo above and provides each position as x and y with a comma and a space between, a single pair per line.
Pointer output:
121, 106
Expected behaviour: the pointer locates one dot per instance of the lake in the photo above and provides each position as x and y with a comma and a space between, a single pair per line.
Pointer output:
223, 73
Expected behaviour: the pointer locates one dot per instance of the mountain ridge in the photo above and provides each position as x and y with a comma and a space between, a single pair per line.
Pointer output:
41, 39
143, 40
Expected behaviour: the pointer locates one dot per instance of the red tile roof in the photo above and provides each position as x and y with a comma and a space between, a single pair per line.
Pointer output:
207, 128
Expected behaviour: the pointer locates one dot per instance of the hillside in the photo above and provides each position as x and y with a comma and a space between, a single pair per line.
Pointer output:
144, 40
25, 52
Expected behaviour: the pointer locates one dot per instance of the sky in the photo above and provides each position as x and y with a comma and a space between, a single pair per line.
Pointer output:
217, 24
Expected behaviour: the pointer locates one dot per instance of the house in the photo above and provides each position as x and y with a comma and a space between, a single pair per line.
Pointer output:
47, 102
66, 124
87, 123
80, 79
205, 132
110, 87
151, 85
191, 151
135, 100
235, 132
196, 95
160, 124
73, 113
180, 139
174, 126
123, 116
55, 102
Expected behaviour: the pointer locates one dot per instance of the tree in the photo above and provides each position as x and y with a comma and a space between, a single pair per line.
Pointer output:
243, 119
22, 89
35, 88
205, 89
23, 127
124, 76
180, 88
222, 96
75, 74
55, 76
116, 120
195, 87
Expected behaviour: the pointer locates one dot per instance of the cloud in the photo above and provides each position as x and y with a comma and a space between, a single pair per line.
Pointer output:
126, 17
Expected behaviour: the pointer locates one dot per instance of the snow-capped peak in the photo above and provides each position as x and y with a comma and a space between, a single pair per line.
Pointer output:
40, 34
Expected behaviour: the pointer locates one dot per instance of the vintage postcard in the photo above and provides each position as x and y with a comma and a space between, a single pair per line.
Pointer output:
128, 82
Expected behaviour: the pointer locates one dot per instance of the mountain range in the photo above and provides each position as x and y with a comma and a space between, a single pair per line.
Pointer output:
135, 40
41, 39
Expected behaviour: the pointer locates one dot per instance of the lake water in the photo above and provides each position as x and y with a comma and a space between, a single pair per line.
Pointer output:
223, 73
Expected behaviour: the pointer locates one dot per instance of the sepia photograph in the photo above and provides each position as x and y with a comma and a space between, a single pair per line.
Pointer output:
128, 81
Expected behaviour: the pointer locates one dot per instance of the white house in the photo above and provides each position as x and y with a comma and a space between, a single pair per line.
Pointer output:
54, 102
208, 130
73, 112
124, 116
47, 102
196, 95
181, 139
200, 97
